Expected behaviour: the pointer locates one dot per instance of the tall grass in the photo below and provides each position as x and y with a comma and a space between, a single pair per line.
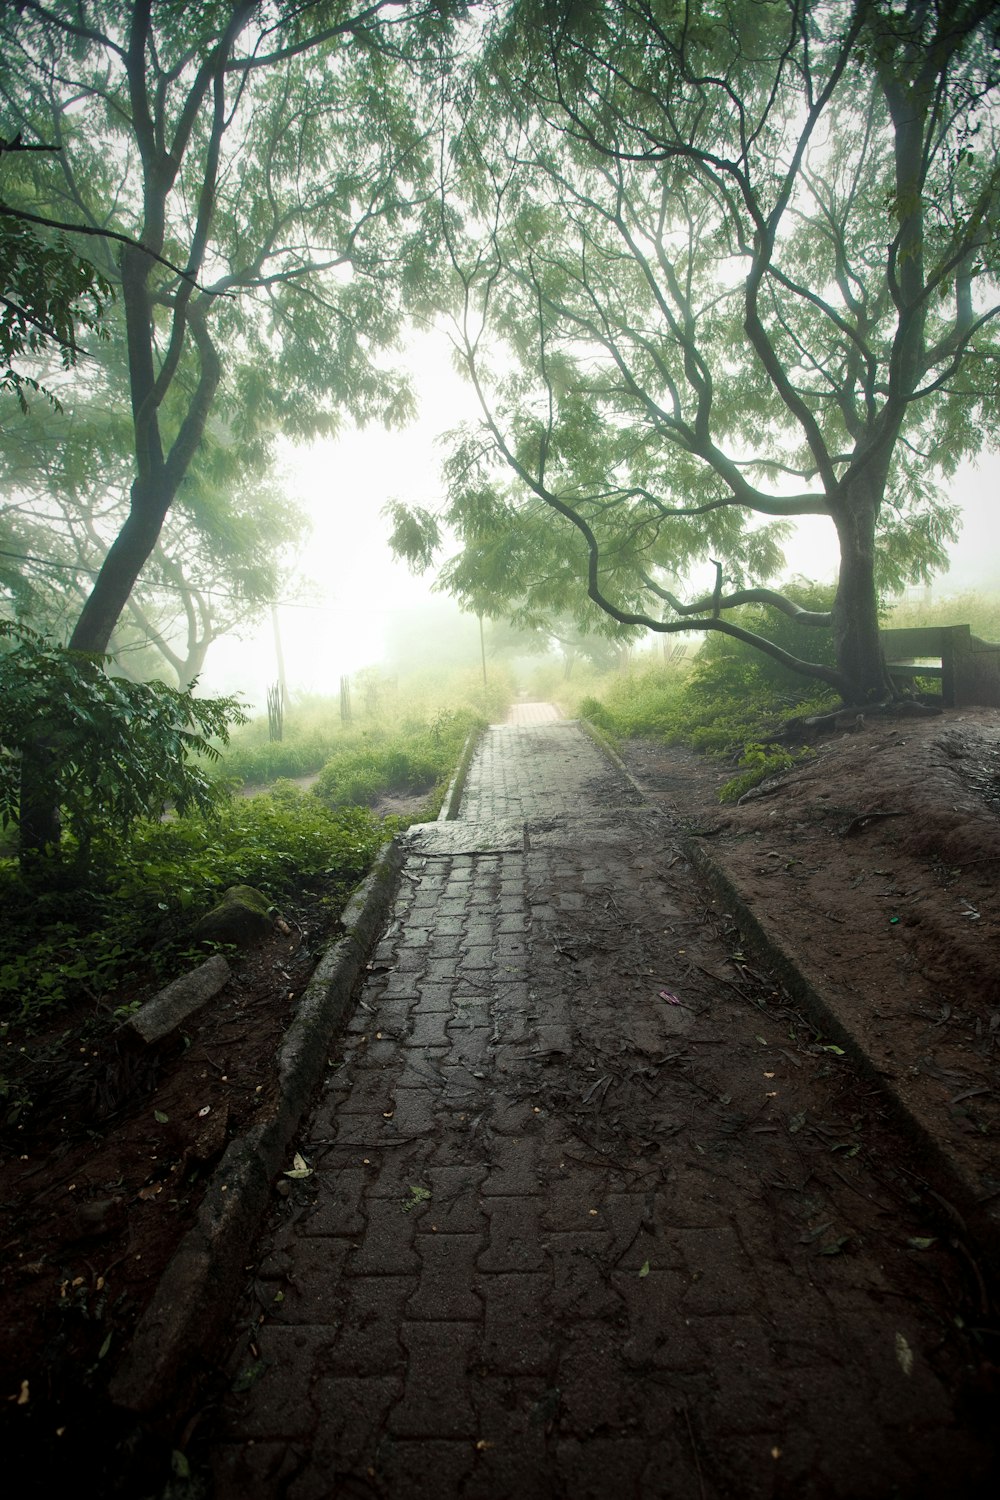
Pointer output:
981, 611
388, 717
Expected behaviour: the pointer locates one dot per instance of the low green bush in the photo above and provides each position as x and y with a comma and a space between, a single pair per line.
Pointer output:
643, 702
420, 757
733, 696
759, 762
134, 916
99, 752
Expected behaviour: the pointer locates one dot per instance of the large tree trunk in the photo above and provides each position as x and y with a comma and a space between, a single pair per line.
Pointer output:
860, 657
125, 560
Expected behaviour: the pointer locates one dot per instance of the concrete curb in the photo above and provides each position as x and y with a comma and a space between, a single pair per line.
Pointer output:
961, 1197
603, 744
453, 796
169, 1349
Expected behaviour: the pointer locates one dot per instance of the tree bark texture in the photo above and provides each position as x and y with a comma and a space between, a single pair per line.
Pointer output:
860, 658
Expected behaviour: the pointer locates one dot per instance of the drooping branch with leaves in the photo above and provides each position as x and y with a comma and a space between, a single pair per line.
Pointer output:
715, 267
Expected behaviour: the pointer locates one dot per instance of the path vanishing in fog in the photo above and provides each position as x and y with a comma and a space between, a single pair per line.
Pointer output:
586, 1215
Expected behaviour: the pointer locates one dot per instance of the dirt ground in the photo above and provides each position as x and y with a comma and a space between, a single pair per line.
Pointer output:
103, 1168
875, 863
877, 856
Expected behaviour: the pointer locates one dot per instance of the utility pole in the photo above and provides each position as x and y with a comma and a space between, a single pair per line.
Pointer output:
282, 684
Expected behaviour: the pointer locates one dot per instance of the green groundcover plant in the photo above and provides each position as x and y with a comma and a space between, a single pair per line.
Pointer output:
733, 702
117, 906
417, 758
132, 917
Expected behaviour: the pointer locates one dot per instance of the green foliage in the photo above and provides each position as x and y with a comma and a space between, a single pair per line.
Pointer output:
759, 762
720, 702
275, 163
732, 686
115, 751
48, 294
278, 843
220, 558
260, 764
981, 611
418, 758
384, 710
729, 699
133, 916
643, 702
694, 308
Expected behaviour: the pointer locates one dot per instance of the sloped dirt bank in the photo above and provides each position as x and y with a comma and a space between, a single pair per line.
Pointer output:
873, 866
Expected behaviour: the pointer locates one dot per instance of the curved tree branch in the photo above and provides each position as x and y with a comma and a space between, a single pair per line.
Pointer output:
770, 597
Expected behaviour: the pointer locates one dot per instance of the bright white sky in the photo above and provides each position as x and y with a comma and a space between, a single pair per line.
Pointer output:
344, 483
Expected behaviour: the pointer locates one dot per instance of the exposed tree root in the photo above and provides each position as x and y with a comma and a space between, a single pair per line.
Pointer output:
851, 718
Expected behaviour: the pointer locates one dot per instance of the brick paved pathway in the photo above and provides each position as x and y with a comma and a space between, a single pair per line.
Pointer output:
566, 1237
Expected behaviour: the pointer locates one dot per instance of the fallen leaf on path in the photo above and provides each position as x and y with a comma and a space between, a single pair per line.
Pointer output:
299, 1168
247, 1376
417, 1195
904, 1354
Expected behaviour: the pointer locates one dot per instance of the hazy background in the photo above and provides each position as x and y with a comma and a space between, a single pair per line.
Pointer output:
351, 602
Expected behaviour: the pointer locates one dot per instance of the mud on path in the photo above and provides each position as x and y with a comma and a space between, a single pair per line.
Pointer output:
592, 1209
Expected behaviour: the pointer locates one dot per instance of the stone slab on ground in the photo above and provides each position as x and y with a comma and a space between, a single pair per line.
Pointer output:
166, 1012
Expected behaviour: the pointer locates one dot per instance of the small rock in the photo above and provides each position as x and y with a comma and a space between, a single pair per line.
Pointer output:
243, 917
99, 1217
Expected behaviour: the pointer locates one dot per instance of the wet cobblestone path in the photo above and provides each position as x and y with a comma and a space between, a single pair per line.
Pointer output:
590, 1212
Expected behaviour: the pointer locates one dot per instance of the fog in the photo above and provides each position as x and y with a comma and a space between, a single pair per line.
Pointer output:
337, 613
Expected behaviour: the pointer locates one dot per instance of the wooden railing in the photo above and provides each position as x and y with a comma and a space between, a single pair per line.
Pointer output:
967, 668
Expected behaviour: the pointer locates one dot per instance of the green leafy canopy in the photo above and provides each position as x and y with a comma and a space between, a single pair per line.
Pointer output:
715, 267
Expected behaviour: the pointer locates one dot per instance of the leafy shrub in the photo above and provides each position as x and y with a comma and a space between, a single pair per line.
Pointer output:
759, 762
109, 751
136, 914
599, 714
732, 690
275, 843
734, 686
